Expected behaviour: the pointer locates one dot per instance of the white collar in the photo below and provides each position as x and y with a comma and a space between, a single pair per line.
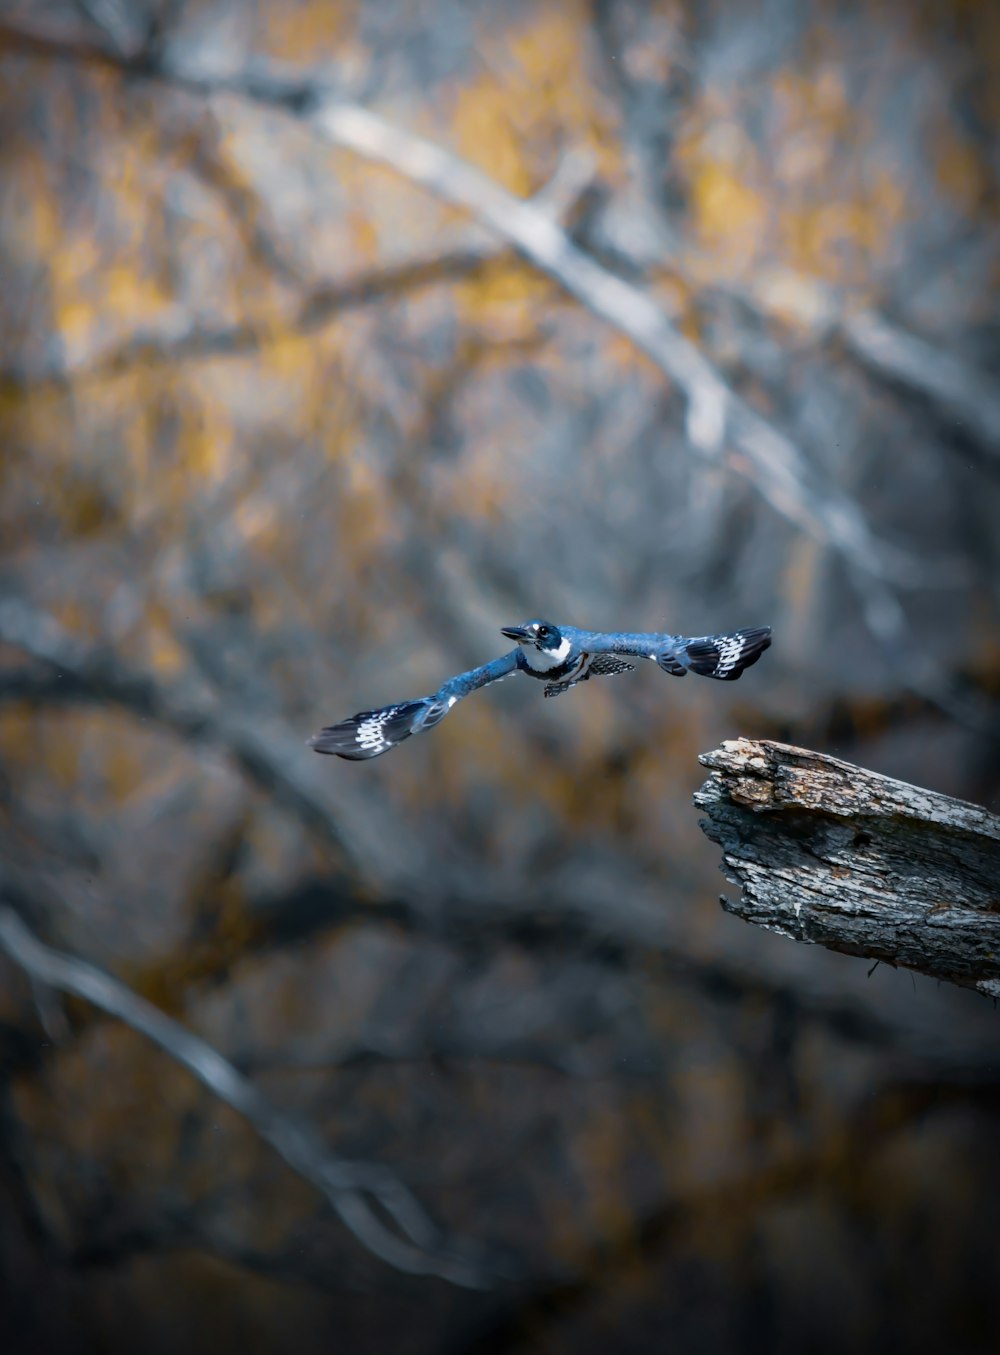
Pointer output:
544, 660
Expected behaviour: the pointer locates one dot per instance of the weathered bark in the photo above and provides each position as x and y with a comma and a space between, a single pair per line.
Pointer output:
830, 853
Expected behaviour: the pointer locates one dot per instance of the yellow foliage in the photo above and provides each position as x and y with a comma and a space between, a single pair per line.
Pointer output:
61, 756
807, 196
124, 772
165, 654
132, 295
32, 216
486, 135
364, 528
18, 735
551, 85
364, 235
290, 354
207, 440
729, 215
959, 170
533, 101
69, 613
503, 302
71, 272
309, 31
728, 211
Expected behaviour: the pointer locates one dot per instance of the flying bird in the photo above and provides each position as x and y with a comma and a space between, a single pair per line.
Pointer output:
559, 656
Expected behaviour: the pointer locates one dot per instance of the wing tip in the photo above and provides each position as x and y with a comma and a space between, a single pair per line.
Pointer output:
711, 656
339, 740
371, 733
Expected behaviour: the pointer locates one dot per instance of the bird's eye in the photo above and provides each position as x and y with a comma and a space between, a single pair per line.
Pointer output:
545, 632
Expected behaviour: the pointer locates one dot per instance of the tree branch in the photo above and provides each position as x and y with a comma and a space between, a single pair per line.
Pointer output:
957, 392
265, 752
829, 853
717, 416
626, 919
318, 303
772, 462
350, 1187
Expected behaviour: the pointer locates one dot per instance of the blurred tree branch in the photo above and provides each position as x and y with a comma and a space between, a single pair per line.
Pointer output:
958, 394
716, 414
318, 302
568, 914
741, 1199
886, 349
234, 542
832, 854
962, 397
721, 425
265, 751
716, 417
350, 1188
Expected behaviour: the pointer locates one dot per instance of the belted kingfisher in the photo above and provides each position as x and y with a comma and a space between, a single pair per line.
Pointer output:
560, 656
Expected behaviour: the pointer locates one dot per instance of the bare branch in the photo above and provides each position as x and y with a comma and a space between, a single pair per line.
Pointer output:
122, 24
266, 752
961, 396
318, 303
715, 413
959, 393
830, 853
350, 1187
622, 913
565, 915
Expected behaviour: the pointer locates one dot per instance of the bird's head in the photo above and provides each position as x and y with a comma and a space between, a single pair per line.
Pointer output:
541, 635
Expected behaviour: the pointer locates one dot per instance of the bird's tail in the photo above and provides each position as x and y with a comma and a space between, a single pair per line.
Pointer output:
373, 732
717, 656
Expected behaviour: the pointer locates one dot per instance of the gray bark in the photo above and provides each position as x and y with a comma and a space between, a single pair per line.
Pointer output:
829, 853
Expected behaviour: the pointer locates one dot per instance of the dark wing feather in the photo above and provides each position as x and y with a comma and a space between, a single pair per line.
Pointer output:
373, 732
600, 665
725, 657
606, 665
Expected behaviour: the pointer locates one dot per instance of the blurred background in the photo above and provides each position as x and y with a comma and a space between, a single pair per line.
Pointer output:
284, 437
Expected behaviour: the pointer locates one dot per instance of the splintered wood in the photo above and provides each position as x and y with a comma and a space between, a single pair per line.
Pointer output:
828, 853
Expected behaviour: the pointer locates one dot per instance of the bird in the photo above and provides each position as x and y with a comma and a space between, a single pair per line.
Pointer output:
561, 657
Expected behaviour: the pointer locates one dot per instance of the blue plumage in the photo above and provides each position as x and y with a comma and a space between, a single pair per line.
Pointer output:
561, 657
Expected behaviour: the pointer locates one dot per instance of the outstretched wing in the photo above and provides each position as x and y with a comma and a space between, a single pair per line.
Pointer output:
637, 644
373, 732
725, 656
717, 656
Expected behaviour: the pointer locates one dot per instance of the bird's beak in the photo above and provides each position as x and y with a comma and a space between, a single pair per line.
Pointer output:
519, 633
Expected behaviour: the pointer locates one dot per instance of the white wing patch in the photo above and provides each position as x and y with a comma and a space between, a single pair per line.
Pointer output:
370, 733
730, 652
723, 656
